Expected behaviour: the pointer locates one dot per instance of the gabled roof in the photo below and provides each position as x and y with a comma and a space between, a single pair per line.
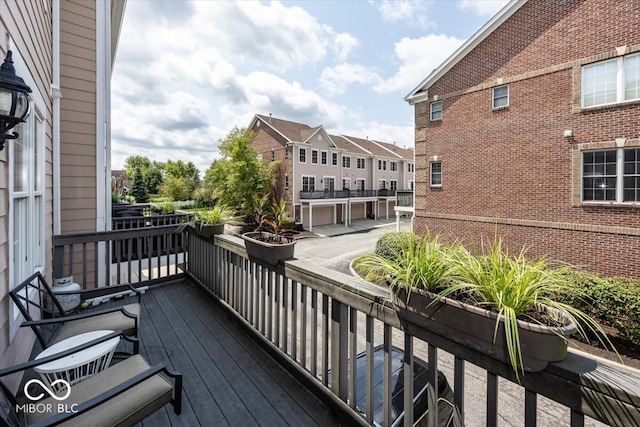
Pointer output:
292, 131
405, 153
374, 148
420, 92
347, 146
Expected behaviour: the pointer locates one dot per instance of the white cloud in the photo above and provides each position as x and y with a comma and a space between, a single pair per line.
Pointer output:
412, 13
343, 44
482, 7
336, 79
419, 57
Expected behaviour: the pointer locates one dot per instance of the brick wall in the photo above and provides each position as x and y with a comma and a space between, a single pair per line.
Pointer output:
267, 141
513, 167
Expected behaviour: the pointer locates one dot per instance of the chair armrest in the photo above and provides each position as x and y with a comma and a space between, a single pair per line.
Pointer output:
105, 291
33, 363
72, 317
110, 394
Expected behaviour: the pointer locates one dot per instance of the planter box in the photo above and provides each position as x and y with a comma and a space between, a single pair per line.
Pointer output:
208, 231
266, 252
474, 327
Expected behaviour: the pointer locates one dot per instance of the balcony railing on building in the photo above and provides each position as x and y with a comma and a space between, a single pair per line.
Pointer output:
352, 194
315, 321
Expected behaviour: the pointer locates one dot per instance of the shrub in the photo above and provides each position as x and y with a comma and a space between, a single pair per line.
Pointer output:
203, 198
613, 302
392, 245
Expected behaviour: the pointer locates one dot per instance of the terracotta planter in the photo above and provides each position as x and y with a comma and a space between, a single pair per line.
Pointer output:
208, 231
266, 252
474, 327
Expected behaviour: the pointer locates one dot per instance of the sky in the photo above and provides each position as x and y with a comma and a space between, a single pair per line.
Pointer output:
188, 71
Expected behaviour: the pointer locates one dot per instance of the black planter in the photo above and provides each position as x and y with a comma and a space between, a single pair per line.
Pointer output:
267, 252
208, 231
474, 327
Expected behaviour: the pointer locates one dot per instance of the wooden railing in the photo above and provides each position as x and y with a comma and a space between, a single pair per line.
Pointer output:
317, 321
139, 255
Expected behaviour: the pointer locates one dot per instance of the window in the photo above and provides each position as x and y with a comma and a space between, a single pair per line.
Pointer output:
346, 183
500, 97
436, 111
286, 152
382, 184
334, 159
608, 82
346, 162
329, 183
436, 174
303, 155
393, 166
382, 165
411, 167
323, 157
393, 185
286, 182
314, 156
411, 185
308, 183
273, 155
360, 163
360, 184
26, 192
601, 181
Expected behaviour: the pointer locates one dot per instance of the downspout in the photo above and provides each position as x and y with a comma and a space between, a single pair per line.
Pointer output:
56, 94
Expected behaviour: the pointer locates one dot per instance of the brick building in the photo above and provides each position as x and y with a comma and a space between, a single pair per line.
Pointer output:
331, 179
532, 128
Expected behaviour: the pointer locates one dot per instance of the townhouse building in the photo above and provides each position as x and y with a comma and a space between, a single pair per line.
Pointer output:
332, 179
53, 177
531, 129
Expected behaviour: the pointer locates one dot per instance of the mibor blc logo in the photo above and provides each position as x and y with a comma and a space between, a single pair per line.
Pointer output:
51, 408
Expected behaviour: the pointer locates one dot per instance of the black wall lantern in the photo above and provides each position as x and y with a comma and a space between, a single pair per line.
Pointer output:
14, 101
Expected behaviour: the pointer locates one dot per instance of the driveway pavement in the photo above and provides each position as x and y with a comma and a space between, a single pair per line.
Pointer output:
334, 246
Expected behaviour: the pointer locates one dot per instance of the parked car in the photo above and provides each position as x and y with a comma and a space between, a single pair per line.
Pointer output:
420, 383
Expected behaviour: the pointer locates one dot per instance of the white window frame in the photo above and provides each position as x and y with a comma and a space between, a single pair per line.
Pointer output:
308, 178
314, 156
346, 162
326, 179
348, 182
432, 173
393, 184
364, 184
410, 167
27, 240
302, 150
324, 157
334, 159
435, 114
393, 166
361, 160
619, 84
497, 99
411, 185
617, 176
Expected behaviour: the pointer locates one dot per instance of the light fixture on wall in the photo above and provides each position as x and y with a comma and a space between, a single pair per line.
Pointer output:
14, 100
568, 133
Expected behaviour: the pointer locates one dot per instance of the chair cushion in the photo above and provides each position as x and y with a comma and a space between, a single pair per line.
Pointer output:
115, 321
127, 408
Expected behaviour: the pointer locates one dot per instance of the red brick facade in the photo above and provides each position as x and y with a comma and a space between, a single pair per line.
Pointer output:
513, 168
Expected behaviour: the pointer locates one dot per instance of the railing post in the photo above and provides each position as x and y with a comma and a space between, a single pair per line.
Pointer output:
339, 349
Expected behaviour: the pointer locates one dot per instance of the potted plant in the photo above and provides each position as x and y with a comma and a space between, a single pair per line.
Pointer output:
209, 222
505, 307
271, 242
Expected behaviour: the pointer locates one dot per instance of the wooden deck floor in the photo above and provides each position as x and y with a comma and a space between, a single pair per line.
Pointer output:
228, 378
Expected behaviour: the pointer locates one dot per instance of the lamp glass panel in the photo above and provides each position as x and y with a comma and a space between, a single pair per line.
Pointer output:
22, 105
5, 101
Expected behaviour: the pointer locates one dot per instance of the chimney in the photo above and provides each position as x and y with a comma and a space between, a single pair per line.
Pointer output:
269, 117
